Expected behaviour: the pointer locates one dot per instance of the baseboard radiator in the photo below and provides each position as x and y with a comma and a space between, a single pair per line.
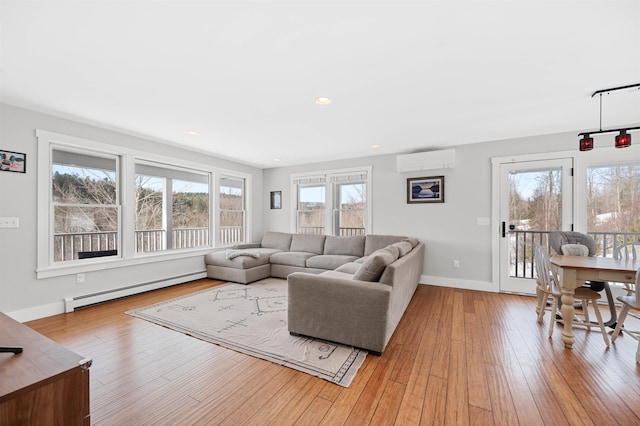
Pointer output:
72, 303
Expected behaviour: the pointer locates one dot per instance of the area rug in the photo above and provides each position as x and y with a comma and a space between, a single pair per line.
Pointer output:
252, 319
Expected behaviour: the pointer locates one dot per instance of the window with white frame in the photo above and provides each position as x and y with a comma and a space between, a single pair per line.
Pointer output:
350, 206
311, 205
333, 202
85, 204
612, 201
172, 208
101, 203
232, 210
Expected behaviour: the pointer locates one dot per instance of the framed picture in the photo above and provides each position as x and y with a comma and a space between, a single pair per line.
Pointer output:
13, 161
276, 199
425, 190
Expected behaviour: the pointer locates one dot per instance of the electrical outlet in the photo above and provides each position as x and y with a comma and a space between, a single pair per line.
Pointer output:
79, 278
9, 222
456, 264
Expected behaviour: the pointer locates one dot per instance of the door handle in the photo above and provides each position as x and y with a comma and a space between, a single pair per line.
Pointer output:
504, 229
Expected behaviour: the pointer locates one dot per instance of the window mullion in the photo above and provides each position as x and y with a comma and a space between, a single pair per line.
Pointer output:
167, 219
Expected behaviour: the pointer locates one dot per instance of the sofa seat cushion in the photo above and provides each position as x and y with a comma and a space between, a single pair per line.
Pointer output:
329, 261
349, 268
291, 258
308, 243
348, 246
219, 258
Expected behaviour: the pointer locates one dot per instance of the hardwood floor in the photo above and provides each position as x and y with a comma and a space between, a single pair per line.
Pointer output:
457, 357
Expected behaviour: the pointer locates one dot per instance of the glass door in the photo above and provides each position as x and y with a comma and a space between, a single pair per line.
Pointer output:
535, 199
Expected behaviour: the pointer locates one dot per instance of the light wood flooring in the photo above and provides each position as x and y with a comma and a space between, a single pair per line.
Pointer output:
457, 357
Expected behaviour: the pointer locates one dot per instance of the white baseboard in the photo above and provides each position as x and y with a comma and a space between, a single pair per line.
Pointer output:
68, 304
37, 312
456, 283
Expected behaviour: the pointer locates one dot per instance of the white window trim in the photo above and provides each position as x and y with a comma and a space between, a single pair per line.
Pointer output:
51, 204
325, 176
605, 157
581, 160
165, 170
45, 268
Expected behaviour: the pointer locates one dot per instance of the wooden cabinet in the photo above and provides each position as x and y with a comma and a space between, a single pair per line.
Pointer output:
46, 384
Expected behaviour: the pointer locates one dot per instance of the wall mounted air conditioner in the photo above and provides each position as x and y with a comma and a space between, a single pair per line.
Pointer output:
430, 160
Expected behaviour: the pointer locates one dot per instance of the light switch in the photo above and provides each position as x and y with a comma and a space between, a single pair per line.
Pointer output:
9, 222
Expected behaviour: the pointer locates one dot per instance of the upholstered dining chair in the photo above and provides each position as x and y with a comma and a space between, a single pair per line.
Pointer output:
548, 294
572, 243
629, 302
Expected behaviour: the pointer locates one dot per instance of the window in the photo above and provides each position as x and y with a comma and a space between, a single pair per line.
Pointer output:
334, 203
172, 208
613, 204
105, 206
85, 203
311, 209
350, 205
232, 210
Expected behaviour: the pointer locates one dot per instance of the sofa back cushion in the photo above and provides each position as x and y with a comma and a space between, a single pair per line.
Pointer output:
404, 247
414, 242
276, 240
308, 243
347, 246
372, 268
376, 242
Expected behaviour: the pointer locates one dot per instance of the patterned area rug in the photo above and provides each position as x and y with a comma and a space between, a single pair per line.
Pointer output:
252, 319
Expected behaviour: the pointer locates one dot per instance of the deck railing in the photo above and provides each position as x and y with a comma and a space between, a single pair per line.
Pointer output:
69, 245
343, 231
521, 253
231, 235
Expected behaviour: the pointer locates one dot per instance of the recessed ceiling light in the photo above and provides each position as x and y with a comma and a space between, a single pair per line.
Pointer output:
193, 133
375, 146
323, 100
276, 159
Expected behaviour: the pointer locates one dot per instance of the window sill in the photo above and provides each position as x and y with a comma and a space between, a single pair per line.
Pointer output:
100, 264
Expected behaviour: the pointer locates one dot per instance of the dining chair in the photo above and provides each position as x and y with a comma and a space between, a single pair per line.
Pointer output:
574, 243
627, 250
548, 292
629, 301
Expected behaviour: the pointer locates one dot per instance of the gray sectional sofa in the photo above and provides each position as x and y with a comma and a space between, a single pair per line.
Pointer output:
350, 290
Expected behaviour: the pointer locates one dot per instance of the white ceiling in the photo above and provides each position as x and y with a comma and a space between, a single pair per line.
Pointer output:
410, 76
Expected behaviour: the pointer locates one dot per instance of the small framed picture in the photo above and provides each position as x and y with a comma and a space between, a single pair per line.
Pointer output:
425, 190
13, 161
276, 199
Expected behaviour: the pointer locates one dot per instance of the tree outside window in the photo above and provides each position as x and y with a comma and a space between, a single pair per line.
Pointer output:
232, 212
172, 209
84, 195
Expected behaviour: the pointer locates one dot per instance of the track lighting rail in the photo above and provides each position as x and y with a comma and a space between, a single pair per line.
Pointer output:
615, 89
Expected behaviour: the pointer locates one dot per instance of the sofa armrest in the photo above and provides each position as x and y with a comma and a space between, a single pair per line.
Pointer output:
342, 310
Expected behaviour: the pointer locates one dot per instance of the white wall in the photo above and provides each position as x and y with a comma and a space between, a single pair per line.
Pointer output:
21, 294
450, 229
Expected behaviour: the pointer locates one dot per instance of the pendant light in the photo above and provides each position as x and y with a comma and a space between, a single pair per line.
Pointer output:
623, 139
